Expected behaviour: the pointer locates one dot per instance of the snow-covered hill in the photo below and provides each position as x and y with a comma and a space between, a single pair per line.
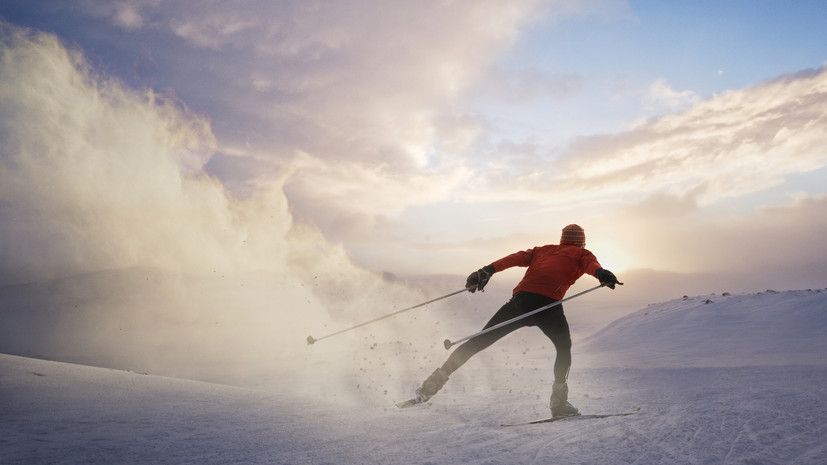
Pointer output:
741, 379
767, 328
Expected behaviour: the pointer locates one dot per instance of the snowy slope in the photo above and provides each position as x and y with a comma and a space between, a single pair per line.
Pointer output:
701, 405
767, 328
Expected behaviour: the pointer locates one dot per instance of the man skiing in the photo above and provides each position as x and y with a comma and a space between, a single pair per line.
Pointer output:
552, 269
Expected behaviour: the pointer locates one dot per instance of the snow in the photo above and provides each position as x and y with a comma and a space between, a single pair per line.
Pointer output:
767, 328
736, 379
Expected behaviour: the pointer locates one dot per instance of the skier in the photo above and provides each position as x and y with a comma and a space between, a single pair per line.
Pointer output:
552, 269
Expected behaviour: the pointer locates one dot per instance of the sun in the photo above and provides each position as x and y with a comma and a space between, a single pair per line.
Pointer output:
611, 256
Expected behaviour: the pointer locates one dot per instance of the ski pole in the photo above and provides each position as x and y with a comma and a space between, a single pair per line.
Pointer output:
448, 342
312, 340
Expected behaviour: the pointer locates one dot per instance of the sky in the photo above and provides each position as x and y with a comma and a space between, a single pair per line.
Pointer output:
414, 138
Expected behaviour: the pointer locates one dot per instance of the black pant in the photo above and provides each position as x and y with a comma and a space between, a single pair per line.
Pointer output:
551, 321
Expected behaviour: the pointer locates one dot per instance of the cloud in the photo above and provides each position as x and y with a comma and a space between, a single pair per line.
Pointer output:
355, 115
734, 144
662, 205
661, 94
354, 96
343, 77
746, 249
655, 195
127, 14
334, 192
212, 30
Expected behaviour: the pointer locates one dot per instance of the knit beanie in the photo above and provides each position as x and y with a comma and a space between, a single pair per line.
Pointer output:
573, 235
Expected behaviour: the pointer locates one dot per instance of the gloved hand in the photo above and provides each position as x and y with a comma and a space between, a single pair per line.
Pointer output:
477, 280
607, 278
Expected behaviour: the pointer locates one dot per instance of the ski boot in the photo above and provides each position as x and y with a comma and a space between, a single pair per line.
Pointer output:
559, 404
432, 385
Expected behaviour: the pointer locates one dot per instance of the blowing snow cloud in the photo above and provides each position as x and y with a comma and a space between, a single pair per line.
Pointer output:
96, 177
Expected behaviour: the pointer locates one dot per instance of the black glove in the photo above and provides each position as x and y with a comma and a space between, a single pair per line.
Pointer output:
606, 278
477, 280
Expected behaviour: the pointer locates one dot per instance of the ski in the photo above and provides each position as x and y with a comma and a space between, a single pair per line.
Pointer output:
411, 403
408, 403
572, 417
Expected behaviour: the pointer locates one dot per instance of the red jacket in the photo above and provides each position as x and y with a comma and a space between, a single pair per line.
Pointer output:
552, 269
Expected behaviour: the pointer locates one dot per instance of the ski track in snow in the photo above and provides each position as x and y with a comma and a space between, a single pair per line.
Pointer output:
706, 409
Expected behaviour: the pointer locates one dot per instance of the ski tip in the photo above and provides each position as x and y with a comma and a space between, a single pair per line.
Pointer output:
406, 403
411, 403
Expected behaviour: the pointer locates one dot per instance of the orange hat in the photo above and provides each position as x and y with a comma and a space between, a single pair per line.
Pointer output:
573, 235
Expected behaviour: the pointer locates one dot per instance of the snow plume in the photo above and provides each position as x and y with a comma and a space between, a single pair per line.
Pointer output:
94, 175
118, 249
